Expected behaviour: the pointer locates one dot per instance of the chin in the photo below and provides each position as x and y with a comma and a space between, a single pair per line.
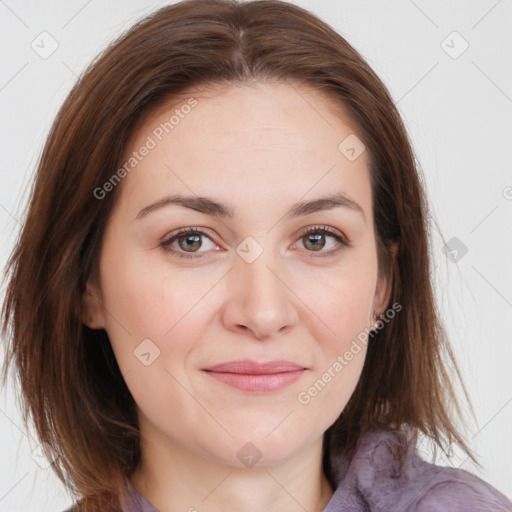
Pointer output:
250, 449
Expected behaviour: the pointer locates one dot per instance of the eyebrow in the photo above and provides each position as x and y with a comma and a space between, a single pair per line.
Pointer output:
209, 206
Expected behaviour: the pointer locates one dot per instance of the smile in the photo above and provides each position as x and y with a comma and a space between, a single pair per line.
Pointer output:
254, 376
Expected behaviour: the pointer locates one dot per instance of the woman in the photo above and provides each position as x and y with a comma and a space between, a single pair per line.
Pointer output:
220, 299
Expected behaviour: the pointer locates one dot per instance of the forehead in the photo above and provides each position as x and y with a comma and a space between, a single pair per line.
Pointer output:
235, 141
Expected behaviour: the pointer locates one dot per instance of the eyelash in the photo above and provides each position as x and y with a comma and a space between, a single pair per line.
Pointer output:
324, 230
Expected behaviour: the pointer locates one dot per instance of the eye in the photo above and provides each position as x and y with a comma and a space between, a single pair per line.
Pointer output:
314, 238
188, 240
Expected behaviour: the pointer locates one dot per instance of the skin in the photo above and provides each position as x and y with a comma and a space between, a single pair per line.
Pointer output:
261, 149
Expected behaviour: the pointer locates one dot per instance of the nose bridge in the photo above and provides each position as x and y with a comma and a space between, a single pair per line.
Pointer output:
256, 268
260, 299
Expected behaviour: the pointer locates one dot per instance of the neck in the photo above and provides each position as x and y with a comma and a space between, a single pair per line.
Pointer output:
172, 478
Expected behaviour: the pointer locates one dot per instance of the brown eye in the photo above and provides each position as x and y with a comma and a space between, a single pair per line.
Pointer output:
314, 240
189, 241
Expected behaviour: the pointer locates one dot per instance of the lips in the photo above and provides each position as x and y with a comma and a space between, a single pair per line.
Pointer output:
254, 368
251, 376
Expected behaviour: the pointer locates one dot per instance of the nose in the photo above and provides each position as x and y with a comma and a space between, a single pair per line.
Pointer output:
260, 302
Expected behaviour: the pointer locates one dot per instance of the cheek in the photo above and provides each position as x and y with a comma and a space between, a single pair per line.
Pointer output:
344, 309
340, 302
145, 299
340, 311
154, 323
330, 389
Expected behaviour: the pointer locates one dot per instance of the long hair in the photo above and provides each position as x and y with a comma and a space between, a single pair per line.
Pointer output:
63, 367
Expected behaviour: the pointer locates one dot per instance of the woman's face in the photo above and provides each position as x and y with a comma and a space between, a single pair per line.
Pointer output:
252, 285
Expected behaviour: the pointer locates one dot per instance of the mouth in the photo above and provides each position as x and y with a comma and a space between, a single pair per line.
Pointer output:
251, 376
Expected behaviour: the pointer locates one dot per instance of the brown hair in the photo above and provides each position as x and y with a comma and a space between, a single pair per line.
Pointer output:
64, 368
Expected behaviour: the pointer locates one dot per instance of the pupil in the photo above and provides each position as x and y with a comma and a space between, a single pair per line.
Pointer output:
317, 237
197, 241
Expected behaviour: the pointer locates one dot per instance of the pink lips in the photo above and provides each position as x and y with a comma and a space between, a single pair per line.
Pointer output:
249, 375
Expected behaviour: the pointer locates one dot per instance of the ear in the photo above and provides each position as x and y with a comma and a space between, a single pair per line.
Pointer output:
383, 290
92, 310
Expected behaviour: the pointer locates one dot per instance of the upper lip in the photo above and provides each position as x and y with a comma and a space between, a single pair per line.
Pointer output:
248, 366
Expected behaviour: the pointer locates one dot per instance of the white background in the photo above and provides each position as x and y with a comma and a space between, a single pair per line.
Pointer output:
457, 111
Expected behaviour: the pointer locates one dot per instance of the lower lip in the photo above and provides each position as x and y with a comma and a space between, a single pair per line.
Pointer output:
260, 383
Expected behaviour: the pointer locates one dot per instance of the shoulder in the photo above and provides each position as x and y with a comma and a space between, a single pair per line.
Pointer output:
386, 474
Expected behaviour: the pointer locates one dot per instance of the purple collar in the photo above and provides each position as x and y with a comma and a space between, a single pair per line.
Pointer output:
375, 481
